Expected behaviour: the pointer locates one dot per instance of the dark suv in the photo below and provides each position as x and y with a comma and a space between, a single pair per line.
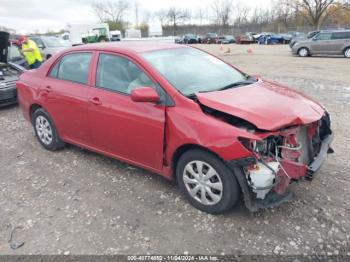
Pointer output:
325, 43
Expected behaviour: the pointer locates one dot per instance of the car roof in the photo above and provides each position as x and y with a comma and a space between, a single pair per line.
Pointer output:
129, 46
335, 31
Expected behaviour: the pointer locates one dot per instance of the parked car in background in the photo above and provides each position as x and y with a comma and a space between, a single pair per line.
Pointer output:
188, 39
287, 37
226, 39
49, 45
182, 113
302, 36
325, 43
210, 38
270, 38
247, 38
116, 35
15, 56
9, 70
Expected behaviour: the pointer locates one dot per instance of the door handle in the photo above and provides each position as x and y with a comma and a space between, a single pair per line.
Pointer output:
96, 101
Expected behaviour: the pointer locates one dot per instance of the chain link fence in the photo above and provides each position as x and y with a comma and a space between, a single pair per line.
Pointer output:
235, 30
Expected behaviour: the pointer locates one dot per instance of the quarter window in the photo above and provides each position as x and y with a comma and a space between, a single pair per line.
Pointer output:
72, 67
120, 75
54, 70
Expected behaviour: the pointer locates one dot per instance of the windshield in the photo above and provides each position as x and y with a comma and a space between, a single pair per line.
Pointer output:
13, 53
191, 71
54, 42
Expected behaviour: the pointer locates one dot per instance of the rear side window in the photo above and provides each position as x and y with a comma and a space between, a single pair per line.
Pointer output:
341, 35
73, 67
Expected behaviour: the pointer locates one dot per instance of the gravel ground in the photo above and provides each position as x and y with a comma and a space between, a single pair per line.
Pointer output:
78, 202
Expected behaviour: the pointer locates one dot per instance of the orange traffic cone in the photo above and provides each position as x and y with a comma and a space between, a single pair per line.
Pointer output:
250, 50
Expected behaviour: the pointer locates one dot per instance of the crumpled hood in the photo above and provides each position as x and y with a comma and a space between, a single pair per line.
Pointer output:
267, 105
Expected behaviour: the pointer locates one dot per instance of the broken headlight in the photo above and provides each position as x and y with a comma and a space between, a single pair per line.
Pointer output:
262, 147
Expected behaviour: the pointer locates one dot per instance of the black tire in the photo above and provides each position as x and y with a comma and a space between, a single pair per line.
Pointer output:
303, 52
55, 143
230, 188
347, 52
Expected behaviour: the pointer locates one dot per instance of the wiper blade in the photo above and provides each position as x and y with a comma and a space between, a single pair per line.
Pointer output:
192, 96
240, 83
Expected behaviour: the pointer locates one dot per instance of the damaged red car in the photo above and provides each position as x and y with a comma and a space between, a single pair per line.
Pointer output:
182, 113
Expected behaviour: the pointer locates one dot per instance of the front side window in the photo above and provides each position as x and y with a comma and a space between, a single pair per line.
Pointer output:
190, 70
72, 67
38, 41
14, 53
119, 74
326, 36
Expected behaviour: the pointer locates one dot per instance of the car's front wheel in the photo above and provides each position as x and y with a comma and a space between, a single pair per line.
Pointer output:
206, 182
303, 52
45, 131
347, 52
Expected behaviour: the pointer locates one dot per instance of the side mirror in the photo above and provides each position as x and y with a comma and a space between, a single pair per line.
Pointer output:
41, 46
144, 94
314, 39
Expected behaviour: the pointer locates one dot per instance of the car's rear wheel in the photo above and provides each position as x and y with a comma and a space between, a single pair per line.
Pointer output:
206, 182
347, 52
45, 131
303, 52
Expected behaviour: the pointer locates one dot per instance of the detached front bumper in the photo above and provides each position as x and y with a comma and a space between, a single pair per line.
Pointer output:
8, 96
316, 164
273, 199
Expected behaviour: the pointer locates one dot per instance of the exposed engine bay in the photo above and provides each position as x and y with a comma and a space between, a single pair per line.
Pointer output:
8, 78
282, 156
285, 157
9, 73
6, 71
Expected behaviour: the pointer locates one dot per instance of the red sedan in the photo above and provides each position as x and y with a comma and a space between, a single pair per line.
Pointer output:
182, 113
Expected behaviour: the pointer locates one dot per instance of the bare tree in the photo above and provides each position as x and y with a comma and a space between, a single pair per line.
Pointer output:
146, 17
201, 14
162, 16
136, 10
222, 10
176, 16
111, 10
283, 11
241, 15
314, 11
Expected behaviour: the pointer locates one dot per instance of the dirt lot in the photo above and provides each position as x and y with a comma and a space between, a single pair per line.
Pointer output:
78, 202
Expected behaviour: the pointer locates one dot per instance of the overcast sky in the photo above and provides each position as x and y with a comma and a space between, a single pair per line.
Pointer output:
30, 15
